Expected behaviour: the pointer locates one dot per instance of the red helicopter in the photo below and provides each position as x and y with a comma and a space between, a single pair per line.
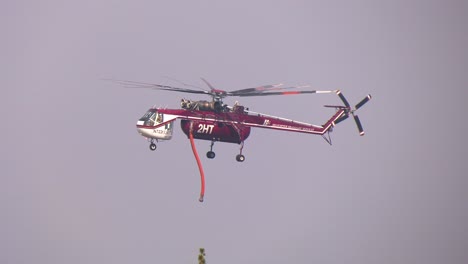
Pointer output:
217, 122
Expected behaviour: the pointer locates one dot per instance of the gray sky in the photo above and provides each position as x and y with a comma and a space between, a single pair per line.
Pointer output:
79, 185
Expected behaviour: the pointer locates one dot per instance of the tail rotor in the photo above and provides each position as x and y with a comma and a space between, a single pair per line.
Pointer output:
349, 110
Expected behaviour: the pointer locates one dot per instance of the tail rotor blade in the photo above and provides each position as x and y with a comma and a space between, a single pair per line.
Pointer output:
359, 125
342, 118
363, 101
345, 102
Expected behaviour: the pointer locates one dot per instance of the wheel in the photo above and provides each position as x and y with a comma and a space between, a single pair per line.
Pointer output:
210, 154
240, 158
152, 146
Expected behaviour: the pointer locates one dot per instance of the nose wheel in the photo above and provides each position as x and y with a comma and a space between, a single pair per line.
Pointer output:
152, 147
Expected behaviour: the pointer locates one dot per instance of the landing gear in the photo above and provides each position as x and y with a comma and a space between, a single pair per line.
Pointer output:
240, 157
210, 154
152, 146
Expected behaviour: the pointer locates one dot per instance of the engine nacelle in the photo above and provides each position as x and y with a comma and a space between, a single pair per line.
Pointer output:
214, 106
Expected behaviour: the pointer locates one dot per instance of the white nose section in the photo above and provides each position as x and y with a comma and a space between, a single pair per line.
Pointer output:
163, 132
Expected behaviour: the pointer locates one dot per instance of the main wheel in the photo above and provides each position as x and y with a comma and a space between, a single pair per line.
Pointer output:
210, 154
240, 158
152, 146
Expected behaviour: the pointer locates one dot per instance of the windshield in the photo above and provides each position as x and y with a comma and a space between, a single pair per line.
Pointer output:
149, 118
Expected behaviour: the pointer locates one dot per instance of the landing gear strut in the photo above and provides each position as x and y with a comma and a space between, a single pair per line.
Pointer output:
210, 154
240, 157
152, 146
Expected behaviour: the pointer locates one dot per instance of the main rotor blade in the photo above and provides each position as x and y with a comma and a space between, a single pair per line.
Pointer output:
263, 88
280, 93
359, 125
183, 83
363, 101
209, 85
175, 89
130, 84
133, 84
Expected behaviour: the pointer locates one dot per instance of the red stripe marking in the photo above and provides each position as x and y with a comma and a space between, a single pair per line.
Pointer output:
288, 93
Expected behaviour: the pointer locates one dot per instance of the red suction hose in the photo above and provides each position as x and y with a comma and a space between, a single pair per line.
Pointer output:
202, 174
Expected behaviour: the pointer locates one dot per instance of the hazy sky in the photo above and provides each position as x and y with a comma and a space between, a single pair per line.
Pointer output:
79, 185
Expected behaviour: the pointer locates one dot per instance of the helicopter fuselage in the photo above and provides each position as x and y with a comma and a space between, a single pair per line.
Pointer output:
223, 126
232, 125
215, 131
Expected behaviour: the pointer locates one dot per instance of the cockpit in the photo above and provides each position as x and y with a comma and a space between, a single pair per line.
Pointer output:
151, 117
152, 125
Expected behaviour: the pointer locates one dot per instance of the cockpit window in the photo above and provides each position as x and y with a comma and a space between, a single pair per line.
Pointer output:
149, 118
146, 116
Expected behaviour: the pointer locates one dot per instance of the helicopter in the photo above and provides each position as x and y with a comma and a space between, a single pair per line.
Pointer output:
216, 121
